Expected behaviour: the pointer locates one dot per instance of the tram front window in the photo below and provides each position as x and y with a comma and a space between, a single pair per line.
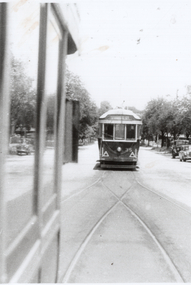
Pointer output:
130, 132
108, 132
119, 132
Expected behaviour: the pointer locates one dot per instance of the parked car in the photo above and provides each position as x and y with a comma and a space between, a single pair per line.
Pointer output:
185, 153
177, 146
24, 147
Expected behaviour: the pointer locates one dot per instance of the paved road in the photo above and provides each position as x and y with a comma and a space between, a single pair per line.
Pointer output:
117, 226
19, 189
126, 226
166, 175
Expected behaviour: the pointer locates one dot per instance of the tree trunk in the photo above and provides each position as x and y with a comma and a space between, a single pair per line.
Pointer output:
162, 143
168, 141
148, 140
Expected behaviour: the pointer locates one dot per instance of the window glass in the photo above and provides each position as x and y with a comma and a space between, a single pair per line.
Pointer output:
51, 95
100, 130
119, 132
108, 132
19, 167
130, 132
138, 131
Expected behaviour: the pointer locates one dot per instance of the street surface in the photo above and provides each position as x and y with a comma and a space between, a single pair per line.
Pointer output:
117, 225
126, 226
19, 190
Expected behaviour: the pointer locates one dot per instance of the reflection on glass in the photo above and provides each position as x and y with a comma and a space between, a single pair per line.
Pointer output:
19, 166
51, 92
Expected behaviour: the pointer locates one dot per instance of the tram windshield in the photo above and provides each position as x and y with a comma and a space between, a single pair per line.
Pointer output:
108, 132
130, 132
119, 132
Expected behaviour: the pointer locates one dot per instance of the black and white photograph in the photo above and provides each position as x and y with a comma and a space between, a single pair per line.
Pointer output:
95, 141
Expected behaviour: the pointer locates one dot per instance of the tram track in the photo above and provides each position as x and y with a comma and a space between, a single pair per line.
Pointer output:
94, 228
121, 197
92, 231
84, 244
87, 239
166, 256
162, 196
83, 189
177, 206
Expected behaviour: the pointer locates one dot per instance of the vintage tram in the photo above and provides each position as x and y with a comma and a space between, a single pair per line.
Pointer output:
118, 139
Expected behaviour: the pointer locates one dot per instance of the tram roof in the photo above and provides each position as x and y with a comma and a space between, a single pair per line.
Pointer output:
119, 112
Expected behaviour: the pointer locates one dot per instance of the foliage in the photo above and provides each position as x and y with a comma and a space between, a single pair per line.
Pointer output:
135, 110
157, 117
50, 113
23, 97
88, 109
164, 118
23, 101
185, 115
104, 107
173, 124
161, 117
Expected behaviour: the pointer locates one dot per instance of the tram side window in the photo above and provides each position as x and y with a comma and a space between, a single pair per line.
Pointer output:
108, 132
100, 130
119, 132
138, 131
130, 132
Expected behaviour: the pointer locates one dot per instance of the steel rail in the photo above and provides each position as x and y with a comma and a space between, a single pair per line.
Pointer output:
167, 258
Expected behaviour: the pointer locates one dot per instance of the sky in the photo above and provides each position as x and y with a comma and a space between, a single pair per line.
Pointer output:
134, 50
130, 51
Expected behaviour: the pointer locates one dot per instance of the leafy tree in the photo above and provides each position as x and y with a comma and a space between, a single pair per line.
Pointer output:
23, 97
23, 101
135, 110
50, 113
185, 115
150, 118
146, 133
163, 117
88, 109
104, 107
156, 118
174, 123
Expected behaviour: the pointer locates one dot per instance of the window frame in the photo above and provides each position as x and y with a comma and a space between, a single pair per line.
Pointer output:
135, 138
22, 261
125, 132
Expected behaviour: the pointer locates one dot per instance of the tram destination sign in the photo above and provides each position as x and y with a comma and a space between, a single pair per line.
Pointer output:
121, 118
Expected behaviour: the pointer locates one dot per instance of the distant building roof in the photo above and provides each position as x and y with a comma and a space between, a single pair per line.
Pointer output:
120, 112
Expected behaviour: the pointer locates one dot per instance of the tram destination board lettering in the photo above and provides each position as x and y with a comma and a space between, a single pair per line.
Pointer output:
124, 118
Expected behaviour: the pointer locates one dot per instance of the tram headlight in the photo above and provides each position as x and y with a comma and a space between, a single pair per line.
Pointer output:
119, 149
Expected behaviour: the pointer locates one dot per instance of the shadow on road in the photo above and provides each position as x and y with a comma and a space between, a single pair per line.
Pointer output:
98, 167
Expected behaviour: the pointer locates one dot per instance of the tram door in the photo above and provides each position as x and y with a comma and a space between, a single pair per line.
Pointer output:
31, 142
